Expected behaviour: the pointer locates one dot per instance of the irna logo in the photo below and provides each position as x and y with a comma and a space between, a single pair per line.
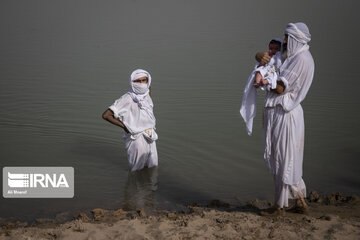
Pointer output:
38, 182
20, 180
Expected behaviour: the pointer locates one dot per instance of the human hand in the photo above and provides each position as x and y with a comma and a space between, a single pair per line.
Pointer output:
280, 87
263, 58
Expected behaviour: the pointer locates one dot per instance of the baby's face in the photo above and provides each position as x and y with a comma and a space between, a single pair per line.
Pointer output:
273, 49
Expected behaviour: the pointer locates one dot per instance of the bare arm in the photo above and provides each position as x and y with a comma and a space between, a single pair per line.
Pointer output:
108, 115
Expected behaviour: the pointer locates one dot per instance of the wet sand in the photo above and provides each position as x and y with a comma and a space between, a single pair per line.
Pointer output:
330, 217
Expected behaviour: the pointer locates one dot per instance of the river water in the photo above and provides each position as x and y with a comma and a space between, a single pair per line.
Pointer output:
62, 63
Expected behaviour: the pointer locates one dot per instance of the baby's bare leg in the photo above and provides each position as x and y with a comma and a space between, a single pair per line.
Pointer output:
264, 82
258, 77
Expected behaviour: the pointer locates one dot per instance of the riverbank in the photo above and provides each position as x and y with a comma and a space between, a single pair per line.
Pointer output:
330, 217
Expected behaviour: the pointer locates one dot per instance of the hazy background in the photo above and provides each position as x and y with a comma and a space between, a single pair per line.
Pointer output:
62, 63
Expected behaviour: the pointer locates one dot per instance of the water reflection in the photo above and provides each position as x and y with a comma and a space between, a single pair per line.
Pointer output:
140, 189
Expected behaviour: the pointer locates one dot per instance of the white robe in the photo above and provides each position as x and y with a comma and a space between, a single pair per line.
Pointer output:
140, 143
284, 125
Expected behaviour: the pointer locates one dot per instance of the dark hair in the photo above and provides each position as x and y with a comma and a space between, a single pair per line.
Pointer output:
275, 42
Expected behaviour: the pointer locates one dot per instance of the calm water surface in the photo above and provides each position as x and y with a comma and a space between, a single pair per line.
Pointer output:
62, 63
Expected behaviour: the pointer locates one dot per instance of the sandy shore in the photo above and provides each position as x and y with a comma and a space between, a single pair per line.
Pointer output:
330, 217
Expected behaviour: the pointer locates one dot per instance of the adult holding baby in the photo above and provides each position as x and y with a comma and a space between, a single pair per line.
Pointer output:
283, 133
284, 119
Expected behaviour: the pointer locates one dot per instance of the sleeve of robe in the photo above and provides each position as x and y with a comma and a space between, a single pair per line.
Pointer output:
297, 78
120, 107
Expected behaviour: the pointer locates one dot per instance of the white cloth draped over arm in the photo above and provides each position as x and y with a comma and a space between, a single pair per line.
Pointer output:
248, 104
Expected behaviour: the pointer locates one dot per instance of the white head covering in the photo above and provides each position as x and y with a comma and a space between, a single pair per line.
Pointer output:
140, 91
299, 31
298, 37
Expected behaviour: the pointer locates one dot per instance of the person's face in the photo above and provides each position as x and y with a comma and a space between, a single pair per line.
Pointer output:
273, 49
141, 80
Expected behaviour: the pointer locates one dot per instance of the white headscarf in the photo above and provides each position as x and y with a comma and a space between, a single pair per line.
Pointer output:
298, 37
140, 91
296, 72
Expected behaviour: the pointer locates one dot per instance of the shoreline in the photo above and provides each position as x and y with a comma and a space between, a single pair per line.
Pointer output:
330, 217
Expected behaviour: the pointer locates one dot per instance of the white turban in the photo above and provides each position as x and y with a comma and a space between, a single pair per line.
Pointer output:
299, 31
298, 37
140, 91
139, 73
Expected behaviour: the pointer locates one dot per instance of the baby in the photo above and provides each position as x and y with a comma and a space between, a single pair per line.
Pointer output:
265, 76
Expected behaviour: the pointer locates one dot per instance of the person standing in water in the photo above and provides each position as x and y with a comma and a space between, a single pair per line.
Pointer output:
134, 113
